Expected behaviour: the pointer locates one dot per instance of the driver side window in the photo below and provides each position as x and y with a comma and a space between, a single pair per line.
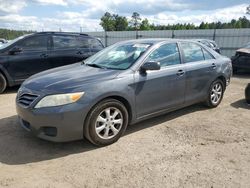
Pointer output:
167, 54
35, 43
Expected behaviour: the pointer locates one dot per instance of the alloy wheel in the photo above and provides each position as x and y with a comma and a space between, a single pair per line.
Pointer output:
109, 123
216, 93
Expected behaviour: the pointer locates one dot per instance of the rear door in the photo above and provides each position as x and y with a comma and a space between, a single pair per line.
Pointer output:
68, 49
162, 89
32, 58
200, 68
84, 47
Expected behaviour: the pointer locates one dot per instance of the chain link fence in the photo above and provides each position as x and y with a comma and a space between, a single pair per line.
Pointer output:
228, 39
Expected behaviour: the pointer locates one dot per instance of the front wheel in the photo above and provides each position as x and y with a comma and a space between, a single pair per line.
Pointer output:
215, 94
106, 122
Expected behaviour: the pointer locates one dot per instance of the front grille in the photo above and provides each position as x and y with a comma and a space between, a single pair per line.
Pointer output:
26, 99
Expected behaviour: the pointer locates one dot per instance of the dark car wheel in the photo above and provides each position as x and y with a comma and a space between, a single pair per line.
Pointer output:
3, 83
247, 93
106, 122
215, 94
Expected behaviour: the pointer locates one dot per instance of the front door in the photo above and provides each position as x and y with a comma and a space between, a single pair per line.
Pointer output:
31, 59
162, 89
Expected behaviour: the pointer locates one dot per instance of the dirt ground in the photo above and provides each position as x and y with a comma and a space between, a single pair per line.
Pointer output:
192, 147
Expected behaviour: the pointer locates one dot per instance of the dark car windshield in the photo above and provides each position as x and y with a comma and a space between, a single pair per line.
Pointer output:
118, 56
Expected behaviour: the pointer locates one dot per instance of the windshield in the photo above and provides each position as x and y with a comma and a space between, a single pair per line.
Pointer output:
11, 42
118, 56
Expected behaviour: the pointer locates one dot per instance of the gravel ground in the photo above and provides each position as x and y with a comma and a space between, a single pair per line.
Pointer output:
192, 147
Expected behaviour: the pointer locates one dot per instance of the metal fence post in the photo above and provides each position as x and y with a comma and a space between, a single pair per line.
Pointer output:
136, 34
173, 34
214, 34
106, 38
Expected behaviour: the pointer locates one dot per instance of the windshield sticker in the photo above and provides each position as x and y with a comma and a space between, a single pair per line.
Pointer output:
141, 45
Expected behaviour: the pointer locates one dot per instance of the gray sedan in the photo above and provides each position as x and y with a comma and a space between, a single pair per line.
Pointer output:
123, 84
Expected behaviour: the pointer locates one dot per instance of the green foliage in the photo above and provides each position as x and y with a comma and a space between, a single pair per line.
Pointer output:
121, 23
118, 23
113, 22
11, 34
145, 25
248, 10
135, 21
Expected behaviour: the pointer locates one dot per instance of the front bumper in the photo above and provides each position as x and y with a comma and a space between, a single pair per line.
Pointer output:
58, 124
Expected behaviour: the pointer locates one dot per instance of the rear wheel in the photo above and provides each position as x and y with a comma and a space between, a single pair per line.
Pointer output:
106, 122
3, 83
215, 94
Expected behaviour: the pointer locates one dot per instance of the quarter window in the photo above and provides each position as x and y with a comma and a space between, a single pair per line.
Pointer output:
192, 52
96, 44
207, 55
167, 54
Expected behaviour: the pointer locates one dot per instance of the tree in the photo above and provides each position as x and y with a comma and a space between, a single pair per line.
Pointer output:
145, 25
121, 23
12, 34
135, 21
108, 22
248, 10
113, 22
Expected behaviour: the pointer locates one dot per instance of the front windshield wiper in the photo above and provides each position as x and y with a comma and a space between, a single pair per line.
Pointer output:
94, 65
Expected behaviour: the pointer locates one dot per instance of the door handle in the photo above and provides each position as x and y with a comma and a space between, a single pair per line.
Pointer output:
213, 66
44, 55
180, 73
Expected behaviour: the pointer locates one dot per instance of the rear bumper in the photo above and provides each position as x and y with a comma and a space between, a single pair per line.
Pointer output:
57, 124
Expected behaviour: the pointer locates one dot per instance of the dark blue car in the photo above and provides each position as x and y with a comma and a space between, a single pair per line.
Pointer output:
37, 52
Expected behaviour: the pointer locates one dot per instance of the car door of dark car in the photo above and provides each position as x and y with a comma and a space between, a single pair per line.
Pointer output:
84, 48
66, 50
200, 70
31, 58
162, 89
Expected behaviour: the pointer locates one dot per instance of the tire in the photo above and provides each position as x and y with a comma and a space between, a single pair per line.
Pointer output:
106, 122
215, 93
248, 101
3, 83
247, 94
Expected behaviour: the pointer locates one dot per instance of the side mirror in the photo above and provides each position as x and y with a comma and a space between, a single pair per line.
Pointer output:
15, 50
151, 65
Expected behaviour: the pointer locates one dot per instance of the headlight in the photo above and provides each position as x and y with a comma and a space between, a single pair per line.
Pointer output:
60, 99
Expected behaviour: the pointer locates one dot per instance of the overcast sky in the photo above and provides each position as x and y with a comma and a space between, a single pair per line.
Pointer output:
70, 15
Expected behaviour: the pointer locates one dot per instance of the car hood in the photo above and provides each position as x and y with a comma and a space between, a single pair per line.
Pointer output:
68, 78
244, 50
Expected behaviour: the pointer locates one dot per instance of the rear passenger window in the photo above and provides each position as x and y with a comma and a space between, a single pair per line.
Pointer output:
167, 54
83, 42
192, 52
207, 55
61, 42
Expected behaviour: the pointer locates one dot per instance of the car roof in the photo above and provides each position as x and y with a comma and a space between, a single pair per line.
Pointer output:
156, 40
209, 40
60, 33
